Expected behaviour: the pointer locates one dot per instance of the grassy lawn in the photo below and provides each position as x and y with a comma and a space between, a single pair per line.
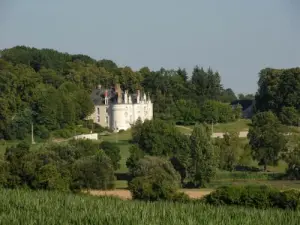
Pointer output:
238, 126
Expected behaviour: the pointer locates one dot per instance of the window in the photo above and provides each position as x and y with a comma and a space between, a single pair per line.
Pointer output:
98, 119
106, 120
98, 111
106, 109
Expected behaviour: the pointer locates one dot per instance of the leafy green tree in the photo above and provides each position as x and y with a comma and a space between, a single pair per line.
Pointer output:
230, 151
45, 170
289, 116
266, 139
154, 179
135, 155
279, 92
113, 152
94, 172
203, 158
156, 137
293, 159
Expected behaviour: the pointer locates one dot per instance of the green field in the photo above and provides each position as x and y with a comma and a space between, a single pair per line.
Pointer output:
238, 126
38, 207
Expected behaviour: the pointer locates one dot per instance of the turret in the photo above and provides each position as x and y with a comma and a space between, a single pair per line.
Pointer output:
138, 97
106, 97
126, 97
130, 99
119, 93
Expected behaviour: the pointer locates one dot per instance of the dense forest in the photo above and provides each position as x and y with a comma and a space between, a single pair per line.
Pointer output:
52, 91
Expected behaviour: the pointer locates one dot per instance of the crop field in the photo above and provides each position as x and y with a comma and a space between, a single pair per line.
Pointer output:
53, 208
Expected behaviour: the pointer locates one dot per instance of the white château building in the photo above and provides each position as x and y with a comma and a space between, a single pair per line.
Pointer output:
118, 110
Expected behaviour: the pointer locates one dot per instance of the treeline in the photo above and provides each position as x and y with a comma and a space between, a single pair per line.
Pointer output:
51, 90
195, 158
162, 159
279, 92
72, 166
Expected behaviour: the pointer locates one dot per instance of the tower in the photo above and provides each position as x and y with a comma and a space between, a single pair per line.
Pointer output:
106, 97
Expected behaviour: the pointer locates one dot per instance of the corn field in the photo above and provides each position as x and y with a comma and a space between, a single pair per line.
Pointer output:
29, 207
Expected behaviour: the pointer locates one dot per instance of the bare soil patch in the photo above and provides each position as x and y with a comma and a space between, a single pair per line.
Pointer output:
126, 195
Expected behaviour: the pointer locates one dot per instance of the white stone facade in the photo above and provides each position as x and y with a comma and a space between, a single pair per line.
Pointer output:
121, 112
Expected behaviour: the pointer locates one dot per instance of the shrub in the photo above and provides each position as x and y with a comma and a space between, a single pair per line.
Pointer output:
45, 170
94, 172
254, 196
154, 179
42, 132
289, 199
63, 133
113, 152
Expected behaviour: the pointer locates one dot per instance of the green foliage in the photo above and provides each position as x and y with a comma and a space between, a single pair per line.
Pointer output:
279, 92
293, 160
160, 138
230, 151
262, 197
156, 137
289, 116
113, 152
203, 157
56, 87
94, 172
218, 112
266, 138
135, 155
70, 166
154, 179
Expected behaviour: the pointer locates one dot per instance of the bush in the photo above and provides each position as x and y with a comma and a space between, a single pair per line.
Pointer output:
94, 172
254, 196
63, 133
78, 164
42, 132
113, 152
155, 179
289, 199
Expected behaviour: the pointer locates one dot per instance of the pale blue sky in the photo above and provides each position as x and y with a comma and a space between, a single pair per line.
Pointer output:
235, 37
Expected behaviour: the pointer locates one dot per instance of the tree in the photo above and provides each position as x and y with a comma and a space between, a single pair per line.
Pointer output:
266, 138
156, 137
203, 158
229, 151
135, 155
293, 159
154, 179
113, 152
279, 89
94, 172
289, 116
